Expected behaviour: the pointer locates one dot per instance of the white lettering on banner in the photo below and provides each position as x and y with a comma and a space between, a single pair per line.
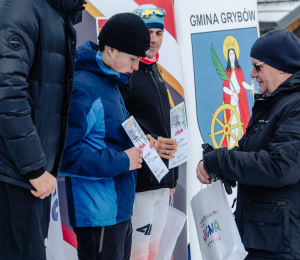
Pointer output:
224, 17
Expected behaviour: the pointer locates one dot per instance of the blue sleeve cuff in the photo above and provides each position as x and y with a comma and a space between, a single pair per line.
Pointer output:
125, 156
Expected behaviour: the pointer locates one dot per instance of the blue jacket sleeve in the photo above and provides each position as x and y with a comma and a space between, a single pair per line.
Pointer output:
81, 159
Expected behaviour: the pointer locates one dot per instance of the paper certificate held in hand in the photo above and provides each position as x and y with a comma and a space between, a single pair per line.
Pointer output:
150, 156
179, 131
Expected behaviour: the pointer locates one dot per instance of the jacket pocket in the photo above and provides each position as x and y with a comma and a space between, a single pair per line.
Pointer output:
266, 226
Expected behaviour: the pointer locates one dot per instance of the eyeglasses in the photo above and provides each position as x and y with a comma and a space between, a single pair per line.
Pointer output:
147, 13
257, 66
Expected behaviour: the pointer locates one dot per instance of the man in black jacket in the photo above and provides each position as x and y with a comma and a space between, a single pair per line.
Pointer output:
267, 161
37, 49
146, 99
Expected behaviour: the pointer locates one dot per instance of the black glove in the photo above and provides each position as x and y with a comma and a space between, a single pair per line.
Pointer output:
228, 184
207, 148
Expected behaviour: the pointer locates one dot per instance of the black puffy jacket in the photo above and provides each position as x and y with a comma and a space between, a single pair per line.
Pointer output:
37, 46
146, 98
266, 166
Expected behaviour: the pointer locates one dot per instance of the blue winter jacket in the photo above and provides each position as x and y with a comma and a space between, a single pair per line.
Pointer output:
100, 189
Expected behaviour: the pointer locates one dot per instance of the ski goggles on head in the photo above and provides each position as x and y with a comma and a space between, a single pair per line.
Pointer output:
147, 13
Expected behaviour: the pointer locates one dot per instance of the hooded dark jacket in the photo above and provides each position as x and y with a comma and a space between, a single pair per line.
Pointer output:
146, 99
266, 166
37, 46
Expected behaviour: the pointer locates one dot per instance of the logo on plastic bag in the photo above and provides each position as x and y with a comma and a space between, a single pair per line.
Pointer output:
212, 227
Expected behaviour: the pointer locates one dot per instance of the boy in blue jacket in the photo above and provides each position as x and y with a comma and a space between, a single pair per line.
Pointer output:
99, 161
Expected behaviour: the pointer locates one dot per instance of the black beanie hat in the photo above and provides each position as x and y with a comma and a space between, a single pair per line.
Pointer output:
279, 49
126, 32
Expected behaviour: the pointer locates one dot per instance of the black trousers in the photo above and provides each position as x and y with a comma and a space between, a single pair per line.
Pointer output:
104, 243
24, 221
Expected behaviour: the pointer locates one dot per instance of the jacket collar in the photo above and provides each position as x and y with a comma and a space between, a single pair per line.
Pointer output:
70, 9
146, 67
118, 77
292, 84
89, 59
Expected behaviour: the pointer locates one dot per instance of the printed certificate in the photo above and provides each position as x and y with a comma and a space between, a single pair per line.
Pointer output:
179, 131
150, 156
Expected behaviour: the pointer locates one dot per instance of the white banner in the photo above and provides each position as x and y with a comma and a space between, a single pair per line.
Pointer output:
215, 38
55, 243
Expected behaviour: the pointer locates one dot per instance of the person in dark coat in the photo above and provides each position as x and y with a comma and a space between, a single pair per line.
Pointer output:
267, 161
37, 50
146, 99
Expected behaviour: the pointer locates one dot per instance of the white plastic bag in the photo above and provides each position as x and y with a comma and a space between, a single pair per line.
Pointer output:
174, 225
218, 235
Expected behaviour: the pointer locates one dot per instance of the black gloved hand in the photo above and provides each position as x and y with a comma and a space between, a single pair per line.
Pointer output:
228, 184
207, 148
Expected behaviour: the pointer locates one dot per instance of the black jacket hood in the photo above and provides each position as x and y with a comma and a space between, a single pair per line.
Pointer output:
69, 8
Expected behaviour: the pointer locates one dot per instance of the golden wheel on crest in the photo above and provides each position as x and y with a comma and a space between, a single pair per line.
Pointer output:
226, 127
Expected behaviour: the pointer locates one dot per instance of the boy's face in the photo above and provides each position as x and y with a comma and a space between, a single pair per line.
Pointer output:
123, 62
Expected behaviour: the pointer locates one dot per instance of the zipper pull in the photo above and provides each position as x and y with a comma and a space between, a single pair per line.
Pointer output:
277, 205
234, 201
264, 123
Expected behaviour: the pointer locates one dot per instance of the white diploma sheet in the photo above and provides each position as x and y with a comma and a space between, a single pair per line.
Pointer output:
179, 131
150, 156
